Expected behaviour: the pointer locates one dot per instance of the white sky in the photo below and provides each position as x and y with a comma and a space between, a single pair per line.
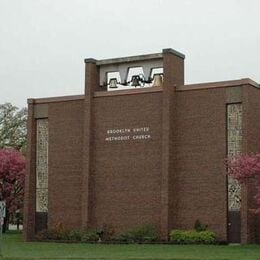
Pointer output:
43, 43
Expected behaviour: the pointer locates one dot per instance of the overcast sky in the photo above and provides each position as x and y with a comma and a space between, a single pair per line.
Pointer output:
43, 43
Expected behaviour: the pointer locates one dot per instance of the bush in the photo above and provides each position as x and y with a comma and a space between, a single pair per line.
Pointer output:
43, 235
142, 234
74, 235
198, 226
106, 233
52, 234
68, 235
89, 236
192, 237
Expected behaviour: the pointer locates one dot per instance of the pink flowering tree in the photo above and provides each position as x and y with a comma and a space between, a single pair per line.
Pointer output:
12, 174
244, 168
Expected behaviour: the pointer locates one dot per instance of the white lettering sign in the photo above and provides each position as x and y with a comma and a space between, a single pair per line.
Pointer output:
126, 134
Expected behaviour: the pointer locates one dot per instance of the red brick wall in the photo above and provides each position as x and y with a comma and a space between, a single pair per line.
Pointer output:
199, 186
126, 176
251, 144
253, 119
126, 173
65, 163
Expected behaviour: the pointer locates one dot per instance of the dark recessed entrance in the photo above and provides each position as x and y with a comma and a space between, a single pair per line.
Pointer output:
234, 226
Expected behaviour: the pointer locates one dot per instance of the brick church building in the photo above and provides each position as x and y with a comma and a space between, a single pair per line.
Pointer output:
141, 147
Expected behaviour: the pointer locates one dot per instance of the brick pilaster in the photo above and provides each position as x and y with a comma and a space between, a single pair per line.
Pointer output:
30, 177
91, 84
173, 65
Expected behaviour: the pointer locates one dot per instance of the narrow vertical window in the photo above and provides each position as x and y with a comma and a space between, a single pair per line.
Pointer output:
234, 148
234, 143
42, 166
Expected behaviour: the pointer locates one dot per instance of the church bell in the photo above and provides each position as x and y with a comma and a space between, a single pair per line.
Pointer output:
157, 80
135, 81
113, 83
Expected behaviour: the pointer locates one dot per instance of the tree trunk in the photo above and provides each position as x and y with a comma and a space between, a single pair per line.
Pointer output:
6, 222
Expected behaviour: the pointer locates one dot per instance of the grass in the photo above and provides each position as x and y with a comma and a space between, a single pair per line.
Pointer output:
13, 247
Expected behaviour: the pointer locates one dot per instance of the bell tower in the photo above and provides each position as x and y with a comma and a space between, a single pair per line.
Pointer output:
122, 80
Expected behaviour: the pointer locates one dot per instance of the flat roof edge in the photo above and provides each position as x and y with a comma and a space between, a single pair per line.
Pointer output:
124, 92
218, 84
172, 51
129, 59
188, 87
135, 58
54, 99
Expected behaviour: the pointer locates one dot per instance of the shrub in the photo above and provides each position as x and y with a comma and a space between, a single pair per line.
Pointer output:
68, 235
74, 235
106, 233
89, 236
52, 234
192, 237
142, 234
59, 232
44, 235
198, 226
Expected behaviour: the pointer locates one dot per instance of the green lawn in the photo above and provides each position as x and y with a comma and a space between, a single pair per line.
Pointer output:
12, 247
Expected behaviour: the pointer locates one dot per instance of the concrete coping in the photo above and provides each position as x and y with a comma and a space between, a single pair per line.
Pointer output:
137, 58
176, 53
219, 84
54, 99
